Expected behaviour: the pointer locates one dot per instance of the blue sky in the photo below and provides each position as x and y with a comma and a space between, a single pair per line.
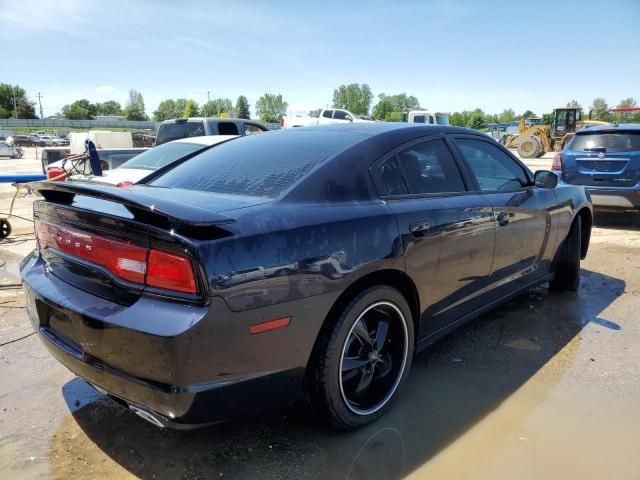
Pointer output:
451, 55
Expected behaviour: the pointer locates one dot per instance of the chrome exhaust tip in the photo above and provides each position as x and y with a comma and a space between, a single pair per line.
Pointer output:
146, 415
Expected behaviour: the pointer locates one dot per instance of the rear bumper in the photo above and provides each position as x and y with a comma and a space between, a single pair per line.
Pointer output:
618, 198
185, 365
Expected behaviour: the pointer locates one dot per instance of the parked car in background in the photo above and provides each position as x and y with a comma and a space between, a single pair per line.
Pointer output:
160, 157
110, 158
58, 142
196, 127
606, 161
336, 116
293, 119
427, 117
9, 150
308, 259
24, 141
328, 116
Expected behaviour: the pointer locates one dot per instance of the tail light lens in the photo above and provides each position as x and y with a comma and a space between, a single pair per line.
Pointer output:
125, 260
57, 174
281, 122
557, 161
170, 271
124, 184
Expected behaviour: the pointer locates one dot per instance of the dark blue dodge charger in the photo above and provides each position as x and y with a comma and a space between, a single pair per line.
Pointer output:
307, 263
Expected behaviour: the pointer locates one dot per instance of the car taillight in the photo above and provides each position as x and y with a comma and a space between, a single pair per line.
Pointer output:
123, 259
557, 161
124, 184
170, 271
56, 174
281, 122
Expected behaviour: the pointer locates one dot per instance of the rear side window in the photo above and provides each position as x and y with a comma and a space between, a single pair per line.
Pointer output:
493, 169
227, 128
257, 165
174, 131
426, 167
607, 142
327, 113
340, 115
392, 177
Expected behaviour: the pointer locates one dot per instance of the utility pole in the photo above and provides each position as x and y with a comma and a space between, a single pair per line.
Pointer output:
40, 102
208, 99
15, 107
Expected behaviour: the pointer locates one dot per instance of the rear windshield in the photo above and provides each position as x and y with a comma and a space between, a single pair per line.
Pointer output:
257, 165
163, 155
174, 131
608, 142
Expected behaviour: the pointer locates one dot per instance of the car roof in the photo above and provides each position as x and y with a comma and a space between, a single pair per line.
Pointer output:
204, 140
623, 127
376, 128
210, 119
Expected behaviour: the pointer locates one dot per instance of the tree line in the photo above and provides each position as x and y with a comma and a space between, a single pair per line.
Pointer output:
355, 97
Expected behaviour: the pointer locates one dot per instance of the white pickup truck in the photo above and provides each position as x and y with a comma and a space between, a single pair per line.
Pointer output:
425, 116
328, 116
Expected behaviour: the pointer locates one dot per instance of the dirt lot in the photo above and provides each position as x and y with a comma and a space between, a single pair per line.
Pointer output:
547, 386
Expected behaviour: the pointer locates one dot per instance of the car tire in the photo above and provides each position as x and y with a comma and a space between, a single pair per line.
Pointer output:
351, 382
567, 276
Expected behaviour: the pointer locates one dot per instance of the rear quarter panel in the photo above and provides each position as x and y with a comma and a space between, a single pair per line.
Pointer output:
298, 251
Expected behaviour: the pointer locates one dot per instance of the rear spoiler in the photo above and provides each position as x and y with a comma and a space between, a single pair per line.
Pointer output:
137, 201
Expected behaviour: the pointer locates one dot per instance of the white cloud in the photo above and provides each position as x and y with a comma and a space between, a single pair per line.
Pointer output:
105, 89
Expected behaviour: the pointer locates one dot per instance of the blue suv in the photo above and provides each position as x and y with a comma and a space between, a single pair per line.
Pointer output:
606, 160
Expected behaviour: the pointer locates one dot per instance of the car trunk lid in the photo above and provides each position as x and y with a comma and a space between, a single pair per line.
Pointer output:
603, 159
117, 243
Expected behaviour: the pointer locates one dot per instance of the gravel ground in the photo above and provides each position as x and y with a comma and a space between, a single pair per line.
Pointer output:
547, 386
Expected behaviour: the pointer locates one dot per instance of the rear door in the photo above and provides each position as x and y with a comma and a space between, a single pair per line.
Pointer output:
326, 117
522, 212
603, 158
447, 232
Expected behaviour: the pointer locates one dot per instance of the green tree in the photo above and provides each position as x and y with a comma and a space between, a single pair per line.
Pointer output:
216, 107
459, 119
190, 109
242, 108
110, 107
354, 97
24, 107
476, 120
80, 110
547, 118
393, 103
135, 107
492, 118
507, 116
626, 117
574, 103
528, 114
270, 108
600, 110
170, 108
315, 113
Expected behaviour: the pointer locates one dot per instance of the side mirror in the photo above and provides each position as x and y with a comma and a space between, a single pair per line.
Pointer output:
349, 118
545, 179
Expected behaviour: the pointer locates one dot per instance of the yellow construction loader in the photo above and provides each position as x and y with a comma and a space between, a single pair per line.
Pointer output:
535, 140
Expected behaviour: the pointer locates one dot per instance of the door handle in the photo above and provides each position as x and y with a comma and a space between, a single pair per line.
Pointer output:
503, 219
419, 228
